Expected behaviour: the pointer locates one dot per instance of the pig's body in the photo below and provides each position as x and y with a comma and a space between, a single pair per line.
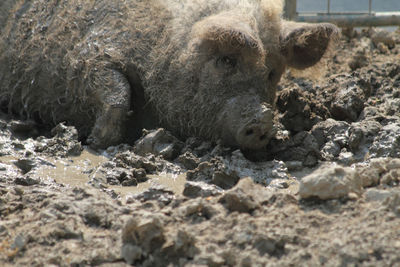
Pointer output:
205, 68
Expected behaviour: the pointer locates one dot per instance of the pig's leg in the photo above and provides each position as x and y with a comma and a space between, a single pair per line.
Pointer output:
115, 104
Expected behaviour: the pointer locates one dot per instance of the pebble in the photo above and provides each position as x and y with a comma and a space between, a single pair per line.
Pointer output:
330, 182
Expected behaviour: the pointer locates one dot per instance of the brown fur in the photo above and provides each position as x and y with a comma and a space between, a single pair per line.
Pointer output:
72, 60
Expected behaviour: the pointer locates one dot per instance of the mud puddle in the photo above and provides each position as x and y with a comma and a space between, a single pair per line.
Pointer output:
77, 171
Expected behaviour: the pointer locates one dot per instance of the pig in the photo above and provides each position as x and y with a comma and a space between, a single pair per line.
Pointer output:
205, 68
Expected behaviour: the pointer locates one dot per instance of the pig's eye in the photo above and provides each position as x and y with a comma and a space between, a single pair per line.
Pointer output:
226, 61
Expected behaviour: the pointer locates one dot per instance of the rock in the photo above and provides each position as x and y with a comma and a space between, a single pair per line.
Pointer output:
328, 130
199, 210
387, 142
370, 173
391, 178
180, 242
25, 165
373, 194
156, 192
141, 235
128, 159
245, 197
188, 160
19, 242
159, 142
393, 203
330, 150
265, 244
65, 132
26, 181
140, 175
384, 171
261, 172
130, 181
65, 142
346, 158
224, 180
348, 102
362, 134
204, 170
116, 175
279, 184
330, 182
200, 189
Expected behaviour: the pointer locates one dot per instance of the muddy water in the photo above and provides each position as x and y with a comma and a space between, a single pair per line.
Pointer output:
175, 183
76, 172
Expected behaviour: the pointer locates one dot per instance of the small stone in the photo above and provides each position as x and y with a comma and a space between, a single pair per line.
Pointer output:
279, 184
146, 231
140, 175
330, 182
158, 192
241, 198
74, 149
26, 165
19, 242
130, 182
200, 189
26, 181
353, 196
393, 203
373, 194
348, 102
188, 160
65, 132
224, 180
19, 191
3, 167
267, 245
159, 142
346, 158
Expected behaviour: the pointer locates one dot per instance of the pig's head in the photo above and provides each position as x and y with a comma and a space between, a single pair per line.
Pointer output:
222, 83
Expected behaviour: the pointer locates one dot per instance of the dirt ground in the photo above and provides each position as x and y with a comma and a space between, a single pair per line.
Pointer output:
325, 192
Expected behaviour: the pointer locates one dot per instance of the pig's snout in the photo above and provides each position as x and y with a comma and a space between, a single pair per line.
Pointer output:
246, 122
256, 132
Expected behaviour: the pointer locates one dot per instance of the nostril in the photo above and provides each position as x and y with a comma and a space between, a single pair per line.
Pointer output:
249, 132
263, 137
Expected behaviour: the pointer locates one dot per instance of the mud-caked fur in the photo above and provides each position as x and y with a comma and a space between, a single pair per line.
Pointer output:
111, 66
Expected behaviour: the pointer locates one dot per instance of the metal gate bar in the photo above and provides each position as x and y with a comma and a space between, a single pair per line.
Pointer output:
343, 19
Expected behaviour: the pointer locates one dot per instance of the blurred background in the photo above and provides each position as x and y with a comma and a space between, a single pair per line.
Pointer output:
347, 5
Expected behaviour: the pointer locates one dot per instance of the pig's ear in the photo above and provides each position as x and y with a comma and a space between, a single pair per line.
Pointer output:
304, 44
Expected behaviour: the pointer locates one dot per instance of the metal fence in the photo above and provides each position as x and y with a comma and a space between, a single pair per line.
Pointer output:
343, 19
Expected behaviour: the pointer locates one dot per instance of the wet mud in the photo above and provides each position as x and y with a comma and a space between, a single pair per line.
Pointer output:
325, 191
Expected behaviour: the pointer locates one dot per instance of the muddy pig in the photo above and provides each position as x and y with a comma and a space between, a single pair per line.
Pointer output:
206, 68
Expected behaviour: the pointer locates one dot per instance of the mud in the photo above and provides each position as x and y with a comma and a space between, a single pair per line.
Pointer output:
325, 191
